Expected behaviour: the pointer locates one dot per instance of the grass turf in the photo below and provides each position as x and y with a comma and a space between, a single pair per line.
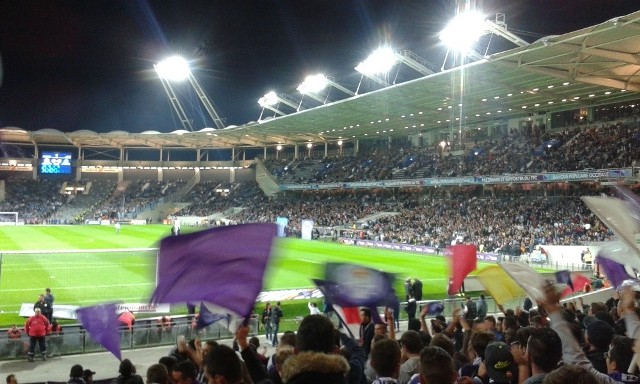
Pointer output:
92, 277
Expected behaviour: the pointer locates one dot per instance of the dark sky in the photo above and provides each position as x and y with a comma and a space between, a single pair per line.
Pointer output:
87, 64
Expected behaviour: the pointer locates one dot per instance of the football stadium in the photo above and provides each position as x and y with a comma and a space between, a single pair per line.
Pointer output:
462, 213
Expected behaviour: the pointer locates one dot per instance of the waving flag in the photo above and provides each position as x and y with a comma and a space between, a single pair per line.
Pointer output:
348, 287
618, 216
615, 272
564, 277
527, 278
206, 317
101, 323
619, 252
499, 284
224, 266
463, 260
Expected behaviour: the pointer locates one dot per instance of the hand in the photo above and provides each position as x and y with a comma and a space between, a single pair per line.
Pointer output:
628, 300
388, 314
482, 370
241, 336
551, 300
424, 311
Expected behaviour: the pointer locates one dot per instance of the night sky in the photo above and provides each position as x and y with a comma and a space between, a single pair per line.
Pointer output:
74, 65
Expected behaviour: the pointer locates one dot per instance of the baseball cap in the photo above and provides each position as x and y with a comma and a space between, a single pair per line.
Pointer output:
499, 362
88, 372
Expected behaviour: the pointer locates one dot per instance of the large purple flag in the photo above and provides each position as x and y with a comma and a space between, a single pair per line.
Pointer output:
101, 323
206, 317
615, 272
224, 266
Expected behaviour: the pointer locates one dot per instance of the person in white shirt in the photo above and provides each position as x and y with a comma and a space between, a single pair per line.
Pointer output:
313, 309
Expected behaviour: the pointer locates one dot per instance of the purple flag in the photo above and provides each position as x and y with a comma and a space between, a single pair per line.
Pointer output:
101, 323
564, 277
224, 266
206, 317
615, 272
435, 308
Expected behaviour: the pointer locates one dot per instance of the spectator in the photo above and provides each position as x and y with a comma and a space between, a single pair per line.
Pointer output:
128, 373
411, 345
157, 374
87, 375
436, 366
385, 360
75, 376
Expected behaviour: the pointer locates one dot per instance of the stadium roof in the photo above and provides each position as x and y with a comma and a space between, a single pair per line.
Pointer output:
589, 67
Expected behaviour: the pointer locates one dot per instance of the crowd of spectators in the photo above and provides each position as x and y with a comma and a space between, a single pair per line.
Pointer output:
553, 216
35, 201
552, 343
519, 151
209, 197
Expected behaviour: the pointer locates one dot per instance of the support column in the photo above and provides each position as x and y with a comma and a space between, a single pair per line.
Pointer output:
264, 155
160, 153
232, 175
36, 152
233, 153
326, 149
78, 167
160, 175
357, 146
295, 152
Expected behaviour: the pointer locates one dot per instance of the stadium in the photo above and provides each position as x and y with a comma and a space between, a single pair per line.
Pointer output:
386, 179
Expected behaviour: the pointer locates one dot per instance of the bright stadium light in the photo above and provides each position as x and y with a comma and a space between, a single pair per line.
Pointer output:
463, 31
271, 100
268, 100
378, 63
174, 68
313, 84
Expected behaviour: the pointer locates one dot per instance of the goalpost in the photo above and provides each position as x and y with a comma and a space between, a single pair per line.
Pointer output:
8, 218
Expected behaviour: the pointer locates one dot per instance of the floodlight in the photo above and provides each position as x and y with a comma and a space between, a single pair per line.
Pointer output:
279, 147
309, 145
268, 100
313, 84
175, 68
463, 31
379, 62
339, 142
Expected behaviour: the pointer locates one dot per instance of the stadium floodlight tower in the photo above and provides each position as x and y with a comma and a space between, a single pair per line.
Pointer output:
314, 84
271, 100
176, 69
378, 63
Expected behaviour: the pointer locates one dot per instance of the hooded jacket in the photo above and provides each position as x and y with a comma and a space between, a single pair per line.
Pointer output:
315, 367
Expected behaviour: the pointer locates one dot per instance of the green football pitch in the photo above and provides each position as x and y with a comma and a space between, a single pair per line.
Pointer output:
88, 277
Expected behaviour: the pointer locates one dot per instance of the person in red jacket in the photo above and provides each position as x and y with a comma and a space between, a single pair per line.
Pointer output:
36, 328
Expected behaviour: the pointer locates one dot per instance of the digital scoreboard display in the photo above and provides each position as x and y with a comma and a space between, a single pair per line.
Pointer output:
55, 163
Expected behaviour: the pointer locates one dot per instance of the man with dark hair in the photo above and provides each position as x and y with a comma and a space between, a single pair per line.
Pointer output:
417, 289
436, 366
223, 366
157, 374
481, 306
317, 358
276, 315
410, 347
45, 307
75, 375
470, 310
544, 353
367, 330
385, 360
598, 335
184, 372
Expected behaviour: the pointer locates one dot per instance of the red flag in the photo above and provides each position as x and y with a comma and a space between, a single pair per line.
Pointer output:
579, 282
463, 260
